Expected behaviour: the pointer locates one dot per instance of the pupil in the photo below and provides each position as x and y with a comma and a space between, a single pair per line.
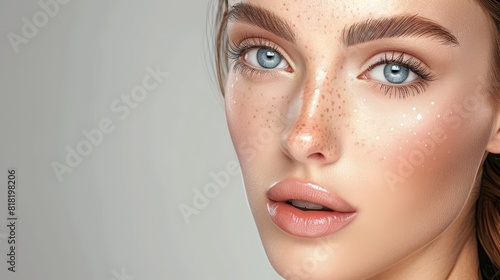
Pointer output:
395, 69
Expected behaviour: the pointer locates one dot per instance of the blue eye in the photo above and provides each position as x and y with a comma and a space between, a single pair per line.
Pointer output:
265, 58
392, 73
396, 73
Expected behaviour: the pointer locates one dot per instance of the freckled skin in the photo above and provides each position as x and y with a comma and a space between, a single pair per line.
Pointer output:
408, 165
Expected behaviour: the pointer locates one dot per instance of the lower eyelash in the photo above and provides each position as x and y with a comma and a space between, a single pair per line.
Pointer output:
403, 91
246, 70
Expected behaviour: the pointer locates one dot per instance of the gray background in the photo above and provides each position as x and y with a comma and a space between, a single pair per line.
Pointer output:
116, 214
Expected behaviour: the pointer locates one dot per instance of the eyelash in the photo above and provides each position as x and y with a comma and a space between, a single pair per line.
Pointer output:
414, 65
235, 53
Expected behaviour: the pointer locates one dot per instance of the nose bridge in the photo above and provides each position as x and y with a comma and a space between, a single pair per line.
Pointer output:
314, 102
310, 136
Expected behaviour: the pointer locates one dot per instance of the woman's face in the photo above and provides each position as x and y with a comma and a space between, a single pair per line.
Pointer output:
360, 127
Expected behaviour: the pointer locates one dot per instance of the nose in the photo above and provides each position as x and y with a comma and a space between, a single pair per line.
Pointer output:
310, 138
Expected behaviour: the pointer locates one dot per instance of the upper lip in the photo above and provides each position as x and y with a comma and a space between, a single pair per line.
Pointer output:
294, 189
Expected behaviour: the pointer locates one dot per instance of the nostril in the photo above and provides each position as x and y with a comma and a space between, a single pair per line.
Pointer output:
317, 156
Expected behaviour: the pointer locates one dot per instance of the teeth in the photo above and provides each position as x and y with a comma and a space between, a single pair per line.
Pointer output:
306, 205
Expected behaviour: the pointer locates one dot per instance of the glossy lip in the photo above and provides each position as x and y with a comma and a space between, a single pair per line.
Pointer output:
311, 224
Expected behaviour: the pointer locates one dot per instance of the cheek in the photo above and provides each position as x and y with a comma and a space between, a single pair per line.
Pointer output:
411, 181
256, 118
422, 167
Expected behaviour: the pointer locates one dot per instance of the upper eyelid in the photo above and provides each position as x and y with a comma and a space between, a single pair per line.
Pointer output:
261, 43
252, 42
396, 57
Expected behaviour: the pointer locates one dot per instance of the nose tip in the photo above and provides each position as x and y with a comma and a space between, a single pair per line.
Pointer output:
310, 143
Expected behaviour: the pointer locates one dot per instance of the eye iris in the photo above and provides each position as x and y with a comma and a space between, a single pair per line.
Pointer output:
268, 58
396, 73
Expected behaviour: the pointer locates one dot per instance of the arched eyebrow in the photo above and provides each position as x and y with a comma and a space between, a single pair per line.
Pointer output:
262, 18
398, 26
357, 33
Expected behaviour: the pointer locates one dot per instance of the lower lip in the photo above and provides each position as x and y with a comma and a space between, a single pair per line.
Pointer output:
311, 224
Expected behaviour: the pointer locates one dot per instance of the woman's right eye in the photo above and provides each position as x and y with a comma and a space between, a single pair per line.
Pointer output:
265, 58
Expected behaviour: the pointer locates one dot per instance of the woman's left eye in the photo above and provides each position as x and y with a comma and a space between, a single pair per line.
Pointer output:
265, 58
392, 73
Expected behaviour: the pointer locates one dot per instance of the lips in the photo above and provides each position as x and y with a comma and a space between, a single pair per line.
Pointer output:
304, 209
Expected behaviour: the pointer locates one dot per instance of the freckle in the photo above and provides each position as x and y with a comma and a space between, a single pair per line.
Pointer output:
338, 95
254, 116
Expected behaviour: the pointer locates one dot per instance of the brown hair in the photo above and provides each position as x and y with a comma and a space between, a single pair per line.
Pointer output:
488, 204
221, 43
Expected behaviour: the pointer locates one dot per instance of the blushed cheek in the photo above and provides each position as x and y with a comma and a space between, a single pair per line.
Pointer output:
430, 177
454, 136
